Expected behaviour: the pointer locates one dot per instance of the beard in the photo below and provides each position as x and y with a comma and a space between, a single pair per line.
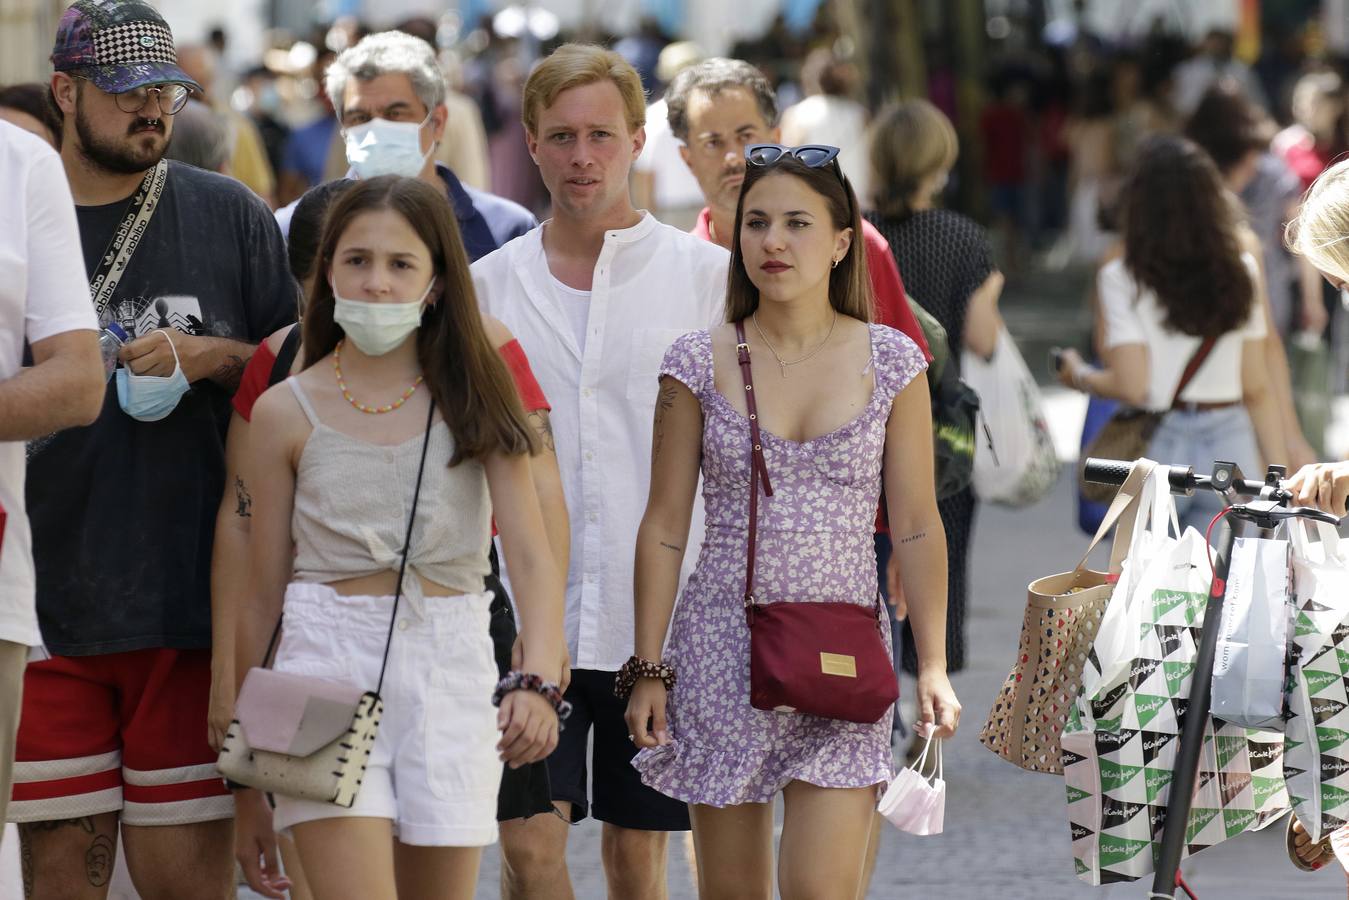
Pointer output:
130, 155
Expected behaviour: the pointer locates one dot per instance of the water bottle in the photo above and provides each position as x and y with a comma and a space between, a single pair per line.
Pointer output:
110, 340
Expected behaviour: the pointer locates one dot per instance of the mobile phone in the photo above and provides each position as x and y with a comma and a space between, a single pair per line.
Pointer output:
1055, 360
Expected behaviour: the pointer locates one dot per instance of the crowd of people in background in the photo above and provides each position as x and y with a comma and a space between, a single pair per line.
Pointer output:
382, 180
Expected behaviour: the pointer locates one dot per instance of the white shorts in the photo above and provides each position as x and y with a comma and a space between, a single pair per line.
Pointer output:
434, 769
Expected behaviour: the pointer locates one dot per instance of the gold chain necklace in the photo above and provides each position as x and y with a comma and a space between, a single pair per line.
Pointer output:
782, 363
372, 410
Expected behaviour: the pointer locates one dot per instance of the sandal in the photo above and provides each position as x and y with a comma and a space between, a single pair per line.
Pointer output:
1323, 854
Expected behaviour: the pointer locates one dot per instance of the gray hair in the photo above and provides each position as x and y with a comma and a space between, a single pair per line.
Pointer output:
713, 76
388, 53
201, 137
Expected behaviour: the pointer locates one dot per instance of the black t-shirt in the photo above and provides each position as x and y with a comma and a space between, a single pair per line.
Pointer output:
123, 512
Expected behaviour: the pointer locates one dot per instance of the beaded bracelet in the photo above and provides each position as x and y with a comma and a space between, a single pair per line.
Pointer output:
637, 668
523, 681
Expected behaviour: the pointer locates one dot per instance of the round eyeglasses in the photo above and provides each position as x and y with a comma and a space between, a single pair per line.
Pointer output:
171, 98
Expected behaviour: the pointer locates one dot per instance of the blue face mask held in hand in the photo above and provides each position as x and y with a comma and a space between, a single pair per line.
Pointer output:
149, 398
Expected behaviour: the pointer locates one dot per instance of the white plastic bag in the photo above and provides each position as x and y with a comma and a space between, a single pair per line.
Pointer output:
914, 802
1250, 667
1021, 466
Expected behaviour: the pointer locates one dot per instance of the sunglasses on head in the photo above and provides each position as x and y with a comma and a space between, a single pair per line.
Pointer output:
815, 156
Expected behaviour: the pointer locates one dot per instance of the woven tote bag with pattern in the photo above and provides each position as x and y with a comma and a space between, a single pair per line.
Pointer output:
1063, 613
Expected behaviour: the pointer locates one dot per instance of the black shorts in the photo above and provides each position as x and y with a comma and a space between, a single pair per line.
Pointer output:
524, 791
620, 798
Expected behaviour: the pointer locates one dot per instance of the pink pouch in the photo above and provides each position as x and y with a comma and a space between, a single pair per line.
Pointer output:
285, 712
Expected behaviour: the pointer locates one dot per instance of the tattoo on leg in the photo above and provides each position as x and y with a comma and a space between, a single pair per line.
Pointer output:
98, 861
244, 509
84, 823
664, 403
672, 547
913, 537
543, 425
228, 373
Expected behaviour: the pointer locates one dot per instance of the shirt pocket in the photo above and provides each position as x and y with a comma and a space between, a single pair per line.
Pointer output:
646, 354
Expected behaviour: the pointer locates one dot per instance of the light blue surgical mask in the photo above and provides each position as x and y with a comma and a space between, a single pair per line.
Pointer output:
381, 147
149, 398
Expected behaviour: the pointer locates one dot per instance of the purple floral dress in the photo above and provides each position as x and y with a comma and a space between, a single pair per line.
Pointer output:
815, 541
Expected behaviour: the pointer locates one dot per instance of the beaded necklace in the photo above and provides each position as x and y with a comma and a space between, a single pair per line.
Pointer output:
372, 410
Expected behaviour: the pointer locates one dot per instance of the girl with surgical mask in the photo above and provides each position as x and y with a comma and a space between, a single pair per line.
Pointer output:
400, 366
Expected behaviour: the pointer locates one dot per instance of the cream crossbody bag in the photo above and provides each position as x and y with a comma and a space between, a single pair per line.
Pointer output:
307, 737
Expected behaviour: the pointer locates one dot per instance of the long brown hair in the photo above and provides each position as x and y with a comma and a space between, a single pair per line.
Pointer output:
849, 282
1181, 239
469, 383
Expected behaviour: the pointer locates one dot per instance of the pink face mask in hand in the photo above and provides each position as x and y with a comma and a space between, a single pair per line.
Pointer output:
914, 802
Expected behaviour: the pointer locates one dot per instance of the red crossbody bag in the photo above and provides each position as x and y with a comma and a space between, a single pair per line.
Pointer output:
820, 657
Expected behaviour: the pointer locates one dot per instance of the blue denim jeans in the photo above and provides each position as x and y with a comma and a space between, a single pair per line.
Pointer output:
1197, 439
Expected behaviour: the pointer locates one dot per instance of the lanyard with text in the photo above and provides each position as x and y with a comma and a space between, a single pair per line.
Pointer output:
126, 238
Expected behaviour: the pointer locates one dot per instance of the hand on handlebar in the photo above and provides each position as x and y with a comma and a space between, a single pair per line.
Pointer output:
1323, 485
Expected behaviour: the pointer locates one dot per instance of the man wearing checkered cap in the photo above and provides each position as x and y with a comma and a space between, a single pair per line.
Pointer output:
113, 738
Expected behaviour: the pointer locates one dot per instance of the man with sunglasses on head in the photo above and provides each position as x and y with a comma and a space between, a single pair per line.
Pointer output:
189, 268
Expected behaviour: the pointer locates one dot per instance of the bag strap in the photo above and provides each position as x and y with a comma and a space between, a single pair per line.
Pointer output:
1125, 499
285, 357
1192, 368
758, 467
402, 567
127, 237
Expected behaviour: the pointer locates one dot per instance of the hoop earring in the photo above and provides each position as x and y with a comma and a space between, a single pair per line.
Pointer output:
835, 265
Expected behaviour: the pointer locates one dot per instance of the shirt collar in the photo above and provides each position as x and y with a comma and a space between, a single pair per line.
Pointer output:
645, 226
459, 198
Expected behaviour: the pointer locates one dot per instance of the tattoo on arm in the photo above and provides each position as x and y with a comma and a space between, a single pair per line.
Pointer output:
672, 547
229, 372
244, 509
913, 537
664, 403
543, 426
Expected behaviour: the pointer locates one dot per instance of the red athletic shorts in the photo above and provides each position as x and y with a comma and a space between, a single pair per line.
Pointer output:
118, 732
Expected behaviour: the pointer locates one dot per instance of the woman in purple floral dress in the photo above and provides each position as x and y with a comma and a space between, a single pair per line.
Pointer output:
844, 409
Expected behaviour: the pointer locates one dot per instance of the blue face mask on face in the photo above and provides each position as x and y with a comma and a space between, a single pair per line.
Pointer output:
149, 398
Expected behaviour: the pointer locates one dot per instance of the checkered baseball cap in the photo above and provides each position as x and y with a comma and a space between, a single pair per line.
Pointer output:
119, 45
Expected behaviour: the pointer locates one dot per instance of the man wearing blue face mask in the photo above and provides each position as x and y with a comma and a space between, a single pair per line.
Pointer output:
189, 264
389, 96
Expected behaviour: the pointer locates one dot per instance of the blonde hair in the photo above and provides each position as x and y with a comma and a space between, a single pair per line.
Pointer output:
1320, 232
576, 65
910, 142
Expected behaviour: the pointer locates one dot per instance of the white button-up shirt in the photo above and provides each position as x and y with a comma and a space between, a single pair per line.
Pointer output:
652, 283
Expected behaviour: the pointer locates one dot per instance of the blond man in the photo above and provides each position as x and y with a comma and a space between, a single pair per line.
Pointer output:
596, 295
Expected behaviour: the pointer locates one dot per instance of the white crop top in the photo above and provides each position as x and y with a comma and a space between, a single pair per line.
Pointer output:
353, 498
1132, 315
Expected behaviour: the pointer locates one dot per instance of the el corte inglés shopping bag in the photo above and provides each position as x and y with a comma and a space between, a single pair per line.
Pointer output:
1316, 736
1123, 734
